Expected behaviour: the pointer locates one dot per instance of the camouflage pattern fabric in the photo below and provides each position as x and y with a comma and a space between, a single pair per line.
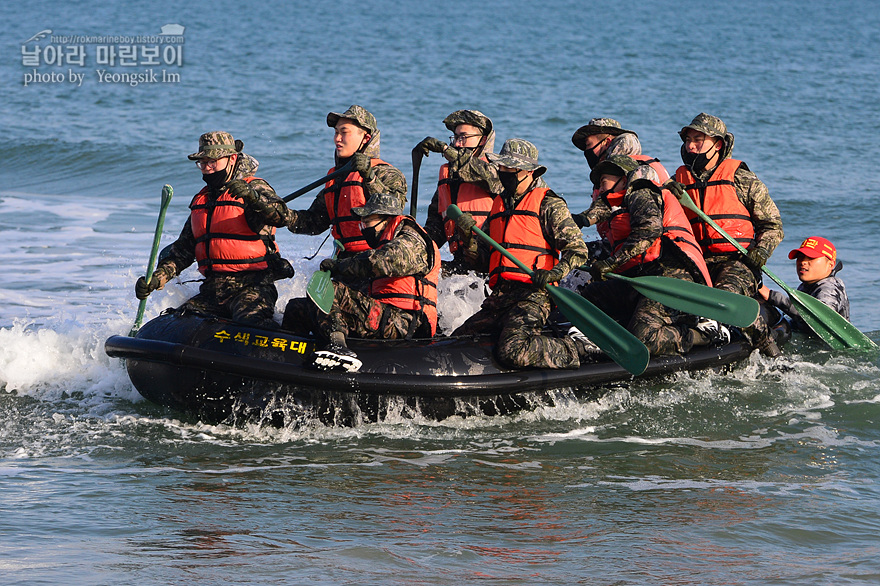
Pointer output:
516, 313
247, 298
356, 313
359, 114
216, 145
731, 273
465, 166
270, 211
381, 179
663, 330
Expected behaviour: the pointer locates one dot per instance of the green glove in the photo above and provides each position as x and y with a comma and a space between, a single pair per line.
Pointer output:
240, 189
431, 144
600, 268
362, 164
675, 188
581, 220
758, 257
541, 277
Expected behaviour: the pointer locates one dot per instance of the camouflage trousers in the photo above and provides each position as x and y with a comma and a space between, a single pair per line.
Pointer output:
248, 298
732, 274
516, 313
353, 314
663, 330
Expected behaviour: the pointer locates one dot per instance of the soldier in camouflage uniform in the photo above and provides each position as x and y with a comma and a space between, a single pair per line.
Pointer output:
751, 217
535, 225
603, 137
239, 259
643, 244
467, 180
356, 138
401, 269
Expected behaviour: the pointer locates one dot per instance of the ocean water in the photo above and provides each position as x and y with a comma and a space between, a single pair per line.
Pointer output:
767, 474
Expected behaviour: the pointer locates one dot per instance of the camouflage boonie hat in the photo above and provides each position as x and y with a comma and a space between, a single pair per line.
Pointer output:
472, 117
216, 145
619, 165
383, 204
360, 115
597, 126
708, 125
518, 154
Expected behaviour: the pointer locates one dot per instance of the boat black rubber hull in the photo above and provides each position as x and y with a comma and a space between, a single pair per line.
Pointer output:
213, 368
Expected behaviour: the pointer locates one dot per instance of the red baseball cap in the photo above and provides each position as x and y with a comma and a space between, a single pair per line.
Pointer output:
814, 247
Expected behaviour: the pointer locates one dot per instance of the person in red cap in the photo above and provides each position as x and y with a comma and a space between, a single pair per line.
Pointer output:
817, 267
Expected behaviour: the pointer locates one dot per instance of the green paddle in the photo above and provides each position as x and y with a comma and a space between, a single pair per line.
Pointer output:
320, 287
167, 192
697, 299
611, 337
829, 325
345, 170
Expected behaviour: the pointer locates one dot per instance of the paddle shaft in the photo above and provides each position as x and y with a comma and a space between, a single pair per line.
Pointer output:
829, 325
414, 193
345, 170
611, 337
167, 193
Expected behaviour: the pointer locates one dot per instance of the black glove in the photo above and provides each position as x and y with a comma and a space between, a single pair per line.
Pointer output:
431, 144
600, 268
328, 264
541, 277
675, 188
465, 223
362, 164
240, 189
142, 288
758, 257
581, 220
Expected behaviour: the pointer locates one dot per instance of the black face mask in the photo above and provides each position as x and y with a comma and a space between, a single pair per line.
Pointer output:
215, 180
592, 158
696, 162
509, 181
372, 236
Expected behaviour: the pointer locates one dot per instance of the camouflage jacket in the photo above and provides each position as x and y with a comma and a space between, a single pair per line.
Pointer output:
269, 212
558, 229
830, 291
645, 218
404, 255
465, 168
381, 179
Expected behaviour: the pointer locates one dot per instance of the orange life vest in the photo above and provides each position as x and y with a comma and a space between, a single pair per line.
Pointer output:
415, 292
676, 229
340, 197
224, 241
717, 198
468, 197
655, 164
519, 231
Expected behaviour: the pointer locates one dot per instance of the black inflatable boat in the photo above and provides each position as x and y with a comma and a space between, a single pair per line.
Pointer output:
215, 370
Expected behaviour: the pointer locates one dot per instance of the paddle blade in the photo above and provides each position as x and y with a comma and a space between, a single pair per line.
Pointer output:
320, 290
611, 337
829, 325
697, 299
